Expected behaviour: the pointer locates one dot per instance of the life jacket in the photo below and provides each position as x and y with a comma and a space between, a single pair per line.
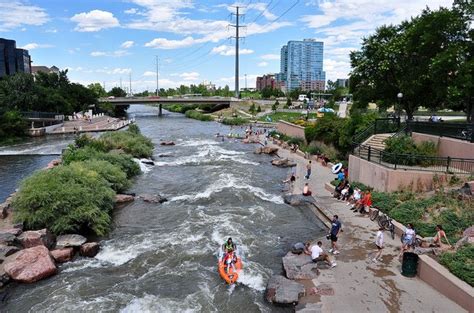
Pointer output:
228, 246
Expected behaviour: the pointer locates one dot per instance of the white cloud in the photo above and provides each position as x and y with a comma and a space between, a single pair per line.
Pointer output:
263, 9
127, 44
114, 54
131, 11
342, 24
229, 50
149, 73
262, 64
94, 21
15, 14
163, 43
192, 76
33, 45
270, 57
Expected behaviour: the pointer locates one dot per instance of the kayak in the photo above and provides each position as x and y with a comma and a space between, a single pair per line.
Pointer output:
231, 276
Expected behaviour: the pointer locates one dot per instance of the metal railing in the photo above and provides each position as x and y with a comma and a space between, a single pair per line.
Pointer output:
380, 126
415, 162
42, 115
462, 131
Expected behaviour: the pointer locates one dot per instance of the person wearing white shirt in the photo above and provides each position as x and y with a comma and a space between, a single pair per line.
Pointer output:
379, 244
317, 254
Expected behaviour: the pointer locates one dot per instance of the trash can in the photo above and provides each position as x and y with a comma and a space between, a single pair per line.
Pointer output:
409, 264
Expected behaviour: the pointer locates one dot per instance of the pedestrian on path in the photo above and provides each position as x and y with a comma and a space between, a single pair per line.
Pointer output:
308, 170
379, 243
335, 229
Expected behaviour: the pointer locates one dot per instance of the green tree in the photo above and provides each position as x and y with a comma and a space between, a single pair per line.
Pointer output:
275, 106
288, 102
259, 109
252, 108
117, 92
98, 90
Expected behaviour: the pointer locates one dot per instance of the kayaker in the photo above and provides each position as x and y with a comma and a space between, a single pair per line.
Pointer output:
229, 246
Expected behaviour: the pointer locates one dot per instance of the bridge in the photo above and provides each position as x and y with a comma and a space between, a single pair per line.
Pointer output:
174, 100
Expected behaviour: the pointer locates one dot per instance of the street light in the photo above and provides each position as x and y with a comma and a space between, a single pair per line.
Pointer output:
399, 96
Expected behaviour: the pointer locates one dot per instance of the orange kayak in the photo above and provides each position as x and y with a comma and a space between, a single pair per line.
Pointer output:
231, 276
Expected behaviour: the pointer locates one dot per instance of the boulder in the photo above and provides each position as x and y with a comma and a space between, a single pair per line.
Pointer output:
147, 161
296, 200
299, 266
13, 231
30, 265
153, 198
4, 207
63, 255
8, 239
33, 238
266, 150
4, 279
283, 163
164, 155
90, 249
18, 225
283, 291
53, 163
71, 240
6, 251
121, 198
167, 143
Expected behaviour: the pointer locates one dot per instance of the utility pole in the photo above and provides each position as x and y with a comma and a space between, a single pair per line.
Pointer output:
237, 38
157, 85
130, 83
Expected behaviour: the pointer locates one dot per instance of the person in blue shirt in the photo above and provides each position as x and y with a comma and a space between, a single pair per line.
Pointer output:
340, 175
335, 229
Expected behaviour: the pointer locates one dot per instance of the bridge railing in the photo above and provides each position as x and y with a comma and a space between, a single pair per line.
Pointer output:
42, 115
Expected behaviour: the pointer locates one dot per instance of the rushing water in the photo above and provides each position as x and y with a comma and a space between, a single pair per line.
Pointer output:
162, 257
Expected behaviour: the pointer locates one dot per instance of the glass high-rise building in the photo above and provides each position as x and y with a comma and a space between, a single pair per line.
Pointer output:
13, 60
301, 66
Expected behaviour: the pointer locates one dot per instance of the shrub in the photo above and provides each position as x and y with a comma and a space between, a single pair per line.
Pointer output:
65, 199
113, 174
124, 161
460, 263
198, 116
134, 129
313, 150
412, 153
295, 141
234, 121
132, 143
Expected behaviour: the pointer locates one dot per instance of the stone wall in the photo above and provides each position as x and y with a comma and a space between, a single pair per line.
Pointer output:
290, 129
451, 147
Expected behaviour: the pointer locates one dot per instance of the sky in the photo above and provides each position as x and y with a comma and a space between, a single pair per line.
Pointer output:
110, 41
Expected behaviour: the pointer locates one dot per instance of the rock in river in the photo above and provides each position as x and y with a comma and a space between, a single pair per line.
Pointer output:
63, 255
283, 163
120, 198
299, 266
167, 143
266, 150
72, 240
283, 291
90, 249
30, 265
33, 238
153, 198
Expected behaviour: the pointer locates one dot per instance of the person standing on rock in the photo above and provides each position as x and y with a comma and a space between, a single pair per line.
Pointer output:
335, 229
308, 170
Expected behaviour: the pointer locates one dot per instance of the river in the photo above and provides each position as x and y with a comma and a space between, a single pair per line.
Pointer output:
162, 257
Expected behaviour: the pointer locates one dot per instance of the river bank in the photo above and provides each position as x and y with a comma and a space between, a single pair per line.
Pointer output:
357, 284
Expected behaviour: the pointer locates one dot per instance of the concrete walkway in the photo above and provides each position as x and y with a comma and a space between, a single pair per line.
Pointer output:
357, 284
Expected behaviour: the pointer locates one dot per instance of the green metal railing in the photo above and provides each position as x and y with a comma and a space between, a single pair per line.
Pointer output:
462, 131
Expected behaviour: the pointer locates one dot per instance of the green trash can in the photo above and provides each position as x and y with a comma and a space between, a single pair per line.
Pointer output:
409, 264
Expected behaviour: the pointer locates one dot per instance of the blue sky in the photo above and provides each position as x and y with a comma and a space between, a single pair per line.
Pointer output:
108, 40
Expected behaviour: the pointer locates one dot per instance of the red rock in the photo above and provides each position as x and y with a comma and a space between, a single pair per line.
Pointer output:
63, 255
35, 238
123, 198
13, 231
89, 249
53, 163
30, 265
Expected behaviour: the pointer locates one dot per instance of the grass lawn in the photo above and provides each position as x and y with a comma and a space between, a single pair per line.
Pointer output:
286, 116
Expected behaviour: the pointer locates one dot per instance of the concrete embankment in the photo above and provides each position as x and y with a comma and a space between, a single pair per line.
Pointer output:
357, 284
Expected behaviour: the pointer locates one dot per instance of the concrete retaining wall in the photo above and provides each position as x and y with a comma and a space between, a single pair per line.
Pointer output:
438, 277
451, 147
291, 130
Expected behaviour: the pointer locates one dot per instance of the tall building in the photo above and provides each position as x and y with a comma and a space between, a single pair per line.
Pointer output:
13, 60
301, 66
342, 82
265, 81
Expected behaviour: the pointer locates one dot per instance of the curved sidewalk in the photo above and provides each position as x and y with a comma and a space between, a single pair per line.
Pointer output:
357, 284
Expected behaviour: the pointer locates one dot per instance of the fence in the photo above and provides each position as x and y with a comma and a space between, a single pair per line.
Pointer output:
42, 115
415, 162
380, 125
462, 131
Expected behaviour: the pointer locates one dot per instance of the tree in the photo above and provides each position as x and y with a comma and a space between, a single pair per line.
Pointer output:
275, 106
98, 90
259, 109
288, 102
252, 108
421, 58
117, 92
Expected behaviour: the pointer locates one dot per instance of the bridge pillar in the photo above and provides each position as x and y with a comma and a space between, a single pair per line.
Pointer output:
160, 110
